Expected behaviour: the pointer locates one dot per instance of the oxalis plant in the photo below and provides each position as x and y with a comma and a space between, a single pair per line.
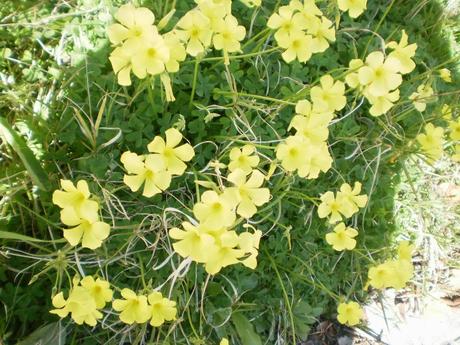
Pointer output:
208, 235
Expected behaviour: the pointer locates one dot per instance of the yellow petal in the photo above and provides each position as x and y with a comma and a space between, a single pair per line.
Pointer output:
73, 236
126, 15
63, 199
133, 163
134, 182
162, 179
101, 230
117, 33
184, 152
157, 145
246, 208
124, 78
173, 137
70, 217
88, 210
58, 300
150, 188
90, 239
144, 17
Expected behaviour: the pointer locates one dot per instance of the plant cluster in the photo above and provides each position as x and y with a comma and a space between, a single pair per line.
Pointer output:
231, 202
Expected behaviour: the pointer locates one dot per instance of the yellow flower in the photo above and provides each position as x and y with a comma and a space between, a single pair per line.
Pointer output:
323, 33
330, 96
136, 25
317, 160
99, 290
298, 153
149, 170
195, 31
354, 7
79, 304
173, 155
381, 276
334, 207
292, 152
195, 242
227, 36
421, 97
382, 104
403, 53
243, 159
75, 202
349, 313
249, 192
454, 127
249, 244
405, 250
352, 196
402, 272
445, 75
133, 308
313, 127
380, 75
224, 341
90, 233
162, 309
298, 46
431, 141
285, 21
226, 253
177, 51
215, 10
309, 11
120, 59
149, 57
352, 78
216, 210
305, 108
342, 238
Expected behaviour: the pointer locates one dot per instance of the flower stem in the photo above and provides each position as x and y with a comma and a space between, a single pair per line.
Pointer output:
195, 76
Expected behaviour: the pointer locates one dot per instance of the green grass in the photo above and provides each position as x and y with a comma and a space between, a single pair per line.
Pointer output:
63, 82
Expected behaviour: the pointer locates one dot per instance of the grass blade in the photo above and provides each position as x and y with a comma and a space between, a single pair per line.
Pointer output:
36, 171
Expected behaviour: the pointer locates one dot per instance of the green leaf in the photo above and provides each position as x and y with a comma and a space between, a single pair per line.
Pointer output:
304, 317
52, 333
245, 330
38, 175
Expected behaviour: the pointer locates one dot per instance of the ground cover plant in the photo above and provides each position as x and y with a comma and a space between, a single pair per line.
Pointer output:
208, 172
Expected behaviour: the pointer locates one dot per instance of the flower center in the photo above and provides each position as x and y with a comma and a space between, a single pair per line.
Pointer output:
137, 31
151, 52
293, 152
216, 207
378, 73
287, 26
334, 207
168, 152
194, 32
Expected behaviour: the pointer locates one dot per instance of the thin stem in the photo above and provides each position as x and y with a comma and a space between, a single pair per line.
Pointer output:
286, 297
265, 98
195, 76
